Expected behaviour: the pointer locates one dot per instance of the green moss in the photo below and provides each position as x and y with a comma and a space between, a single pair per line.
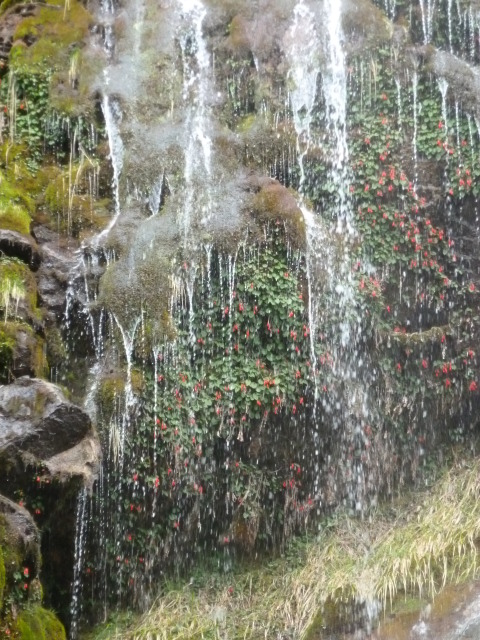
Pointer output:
14, 218
275, 204
110, 389
246, 123
14, 207
36, 623
7, 344
9, 335
55, 32
18, 183
68, 201
56, 351
11, 554
434, 334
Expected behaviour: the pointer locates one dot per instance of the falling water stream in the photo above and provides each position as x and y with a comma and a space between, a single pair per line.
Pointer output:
196, 88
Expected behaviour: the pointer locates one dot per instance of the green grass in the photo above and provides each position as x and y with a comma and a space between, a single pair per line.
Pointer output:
428, 543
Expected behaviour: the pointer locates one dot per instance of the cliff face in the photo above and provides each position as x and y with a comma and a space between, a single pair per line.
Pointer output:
246, 238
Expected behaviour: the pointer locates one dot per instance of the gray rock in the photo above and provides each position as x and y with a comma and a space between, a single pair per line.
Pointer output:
16, 245
23, 361
38, 424
58, 259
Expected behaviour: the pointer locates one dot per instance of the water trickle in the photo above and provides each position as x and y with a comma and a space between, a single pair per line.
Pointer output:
112, 114
303, 47
428, 10
415, 126
390, 8
449, 15
335, 92
81, 525
197, 205
118, 434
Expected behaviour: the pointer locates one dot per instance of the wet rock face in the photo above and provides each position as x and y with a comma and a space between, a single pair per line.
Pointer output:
37, 419
57, 261
17, 245
21, 533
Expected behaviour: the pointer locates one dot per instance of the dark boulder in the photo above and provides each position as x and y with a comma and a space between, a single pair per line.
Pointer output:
39, 425
16, 245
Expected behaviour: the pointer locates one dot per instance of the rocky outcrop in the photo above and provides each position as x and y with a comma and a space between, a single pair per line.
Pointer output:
463, 78
52, 278
39, 426
17, 245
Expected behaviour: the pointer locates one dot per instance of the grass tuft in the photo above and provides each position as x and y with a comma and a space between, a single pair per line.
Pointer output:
424, 546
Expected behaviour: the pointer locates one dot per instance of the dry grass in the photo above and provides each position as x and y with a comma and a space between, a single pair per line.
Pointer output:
429, 543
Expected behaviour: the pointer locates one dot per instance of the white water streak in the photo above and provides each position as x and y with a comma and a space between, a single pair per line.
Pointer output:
428, 10
196, 89
79, 556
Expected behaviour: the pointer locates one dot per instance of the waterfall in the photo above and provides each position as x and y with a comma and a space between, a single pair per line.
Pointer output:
415, 126
197, 205
303, 44
331, 287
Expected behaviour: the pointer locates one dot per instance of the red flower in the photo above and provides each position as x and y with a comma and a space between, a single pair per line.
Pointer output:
473, 386
424, 364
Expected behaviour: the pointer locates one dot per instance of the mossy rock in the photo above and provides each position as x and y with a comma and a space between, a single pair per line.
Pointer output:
36, 623
18, 290
109, 390
55, 31
68, 202
21, 352
19, 185
434, 334
365, 25
56, 350
273, 204
7, 345
14, 207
